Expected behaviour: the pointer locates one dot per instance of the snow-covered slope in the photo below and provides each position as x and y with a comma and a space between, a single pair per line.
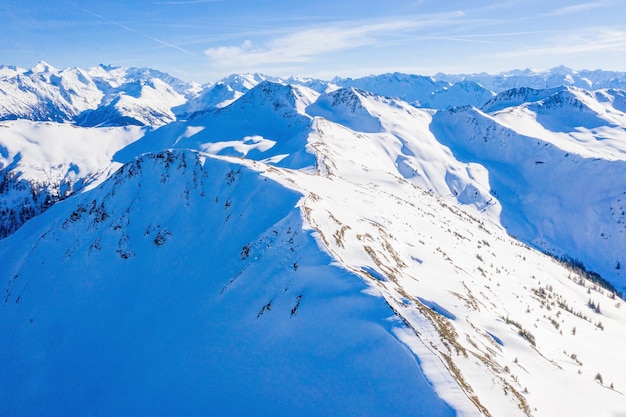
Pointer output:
563, 195
398, 139
42, 163
220, 302
143, 103
518, 96
268, 122
504, 319
514, 176
442, 91
557, 164
312, 248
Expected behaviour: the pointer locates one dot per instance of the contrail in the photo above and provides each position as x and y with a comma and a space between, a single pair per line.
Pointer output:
162, 42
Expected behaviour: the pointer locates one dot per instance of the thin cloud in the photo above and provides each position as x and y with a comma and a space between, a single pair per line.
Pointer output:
466, 39
598, 40
579, 8
507, 34
303, 45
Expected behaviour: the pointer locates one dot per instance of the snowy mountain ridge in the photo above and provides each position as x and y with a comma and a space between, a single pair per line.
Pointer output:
116, 96
98, 96
318, 249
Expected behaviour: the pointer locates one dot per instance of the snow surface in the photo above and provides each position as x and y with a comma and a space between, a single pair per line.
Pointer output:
41, 163
242, 313
315, 248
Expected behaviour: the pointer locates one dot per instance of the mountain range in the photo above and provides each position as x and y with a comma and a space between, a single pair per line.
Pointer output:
389, 245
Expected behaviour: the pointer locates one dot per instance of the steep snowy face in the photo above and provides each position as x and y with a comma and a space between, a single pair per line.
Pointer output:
320, 86
346, 107
553, 157
188, 284
617, 98
546, 188
571, 107
516, 97
285, 100
148, 75
589, 124
7, 71
246, 82
421, 91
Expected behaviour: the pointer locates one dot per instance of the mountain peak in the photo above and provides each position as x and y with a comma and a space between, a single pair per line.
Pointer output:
281, 97
107, 67
245, 81
517, 96
347, 106
561, 69
10, 71
42, 67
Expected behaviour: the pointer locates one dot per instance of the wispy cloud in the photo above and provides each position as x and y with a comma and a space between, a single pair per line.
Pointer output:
579, 8
462, 38
589, 41
303, 45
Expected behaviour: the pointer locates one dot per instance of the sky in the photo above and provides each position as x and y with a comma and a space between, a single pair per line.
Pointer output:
206, 40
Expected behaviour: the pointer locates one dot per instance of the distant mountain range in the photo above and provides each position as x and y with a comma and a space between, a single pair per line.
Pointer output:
114, 96
389, 245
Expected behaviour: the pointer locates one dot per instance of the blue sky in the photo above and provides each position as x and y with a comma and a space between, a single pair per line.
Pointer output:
204, 40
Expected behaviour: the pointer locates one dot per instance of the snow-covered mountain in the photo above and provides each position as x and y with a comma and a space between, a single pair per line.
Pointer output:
100, 96
555, 77
115, 96
242, 312
295, 246
43, 163
556, 167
